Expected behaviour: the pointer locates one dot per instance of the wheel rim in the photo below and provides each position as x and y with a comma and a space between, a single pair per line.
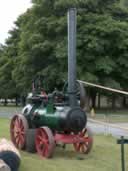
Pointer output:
45, 142
86, 146
18, 128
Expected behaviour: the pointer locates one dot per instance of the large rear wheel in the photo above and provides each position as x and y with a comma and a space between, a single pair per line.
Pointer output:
18, 129
45, 143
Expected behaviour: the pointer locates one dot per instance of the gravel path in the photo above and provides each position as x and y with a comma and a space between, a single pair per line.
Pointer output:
8, 113
117, 130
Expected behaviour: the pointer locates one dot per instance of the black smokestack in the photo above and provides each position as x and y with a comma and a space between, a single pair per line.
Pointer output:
72, 57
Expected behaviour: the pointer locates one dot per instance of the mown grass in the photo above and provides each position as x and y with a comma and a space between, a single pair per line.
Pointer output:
105, 156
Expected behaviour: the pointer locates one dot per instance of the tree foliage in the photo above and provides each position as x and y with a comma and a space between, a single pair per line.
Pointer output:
38, 45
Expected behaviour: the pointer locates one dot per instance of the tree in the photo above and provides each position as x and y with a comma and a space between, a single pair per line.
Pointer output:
38, 44
7, 58
43, 47
124, 3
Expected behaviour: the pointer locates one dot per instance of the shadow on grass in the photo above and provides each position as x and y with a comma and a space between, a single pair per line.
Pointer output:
68, 153
59, 153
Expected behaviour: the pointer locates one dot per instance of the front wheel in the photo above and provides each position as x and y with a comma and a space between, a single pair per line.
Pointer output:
86, 146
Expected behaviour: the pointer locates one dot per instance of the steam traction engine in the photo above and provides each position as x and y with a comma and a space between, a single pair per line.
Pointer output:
56, 118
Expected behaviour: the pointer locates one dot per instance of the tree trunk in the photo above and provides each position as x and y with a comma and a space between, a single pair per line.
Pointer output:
93, 98
124, 104
5, 102
16, 100
99, 100
87, 108
125, 3
113, 102
23, 100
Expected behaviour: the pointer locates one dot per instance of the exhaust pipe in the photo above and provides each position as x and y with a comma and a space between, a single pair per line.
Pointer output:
72, 57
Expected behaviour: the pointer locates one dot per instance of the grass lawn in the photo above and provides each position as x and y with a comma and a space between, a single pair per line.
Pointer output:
105, 156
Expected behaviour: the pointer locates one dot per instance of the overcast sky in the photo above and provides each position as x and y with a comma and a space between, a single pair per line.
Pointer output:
9, 11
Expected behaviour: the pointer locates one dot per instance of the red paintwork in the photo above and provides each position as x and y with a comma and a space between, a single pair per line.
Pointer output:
46, 140
82, 141
68, 138
86, 146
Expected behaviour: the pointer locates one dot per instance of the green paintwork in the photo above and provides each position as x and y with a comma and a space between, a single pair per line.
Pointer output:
47, 119
50, 107
49, 115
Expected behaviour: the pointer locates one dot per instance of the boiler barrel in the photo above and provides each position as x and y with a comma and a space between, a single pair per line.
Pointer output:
63, 119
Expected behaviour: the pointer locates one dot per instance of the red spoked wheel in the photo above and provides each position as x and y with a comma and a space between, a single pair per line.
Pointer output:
45, 143
18, 129
86, 146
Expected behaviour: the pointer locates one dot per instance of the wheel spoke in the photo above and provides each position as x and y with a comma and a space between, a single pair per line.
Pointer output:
22, 138
43, 148
39, 138
43, 134
45, 141
46, 151
20, 123
22, 133
85, 148
88, 140
15, 132
22, 127
17, 140
16, 123
83, 133
78, 145
42, 140
82, 148
17, 135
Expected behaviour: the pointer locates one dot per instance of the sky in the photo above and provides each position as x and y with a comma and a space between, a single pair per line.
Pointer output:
9, 11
